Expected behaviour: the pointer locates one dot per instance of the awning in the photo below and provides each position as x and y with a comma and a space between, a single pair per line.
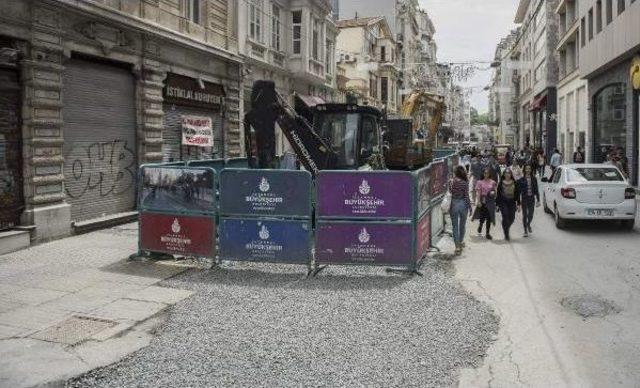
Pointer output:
538, 103
310, 101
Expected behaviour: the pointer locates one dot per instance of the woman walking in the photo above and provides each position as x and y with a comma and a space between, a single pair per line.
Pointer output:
508, 201
486, 203
460, 206
529, 198
541, 163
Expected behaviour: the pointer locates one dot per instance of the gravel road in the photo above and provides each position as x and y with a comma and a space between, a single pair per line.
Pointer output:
267, 326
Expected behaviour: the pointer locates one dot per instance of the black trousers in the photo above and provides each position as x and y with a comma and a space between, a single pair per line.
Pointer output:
485, 216
528, 207
508, 209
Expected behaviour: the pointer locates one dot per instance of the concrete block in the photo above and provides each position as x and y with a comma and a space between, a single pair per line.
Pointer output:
33, 296
30, 317
51, 221
14, 240
13, 332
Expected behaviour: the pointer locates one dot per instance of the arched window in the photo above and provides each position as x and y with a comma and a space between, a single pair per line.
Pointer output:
610, 122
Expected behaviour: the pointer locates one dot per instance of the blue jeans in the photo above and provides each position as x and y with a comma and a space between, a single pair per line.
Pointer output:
459, 214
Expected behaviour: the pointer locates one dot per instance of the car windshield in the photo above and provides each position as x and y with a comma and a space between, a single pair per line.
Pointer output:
340, 130
594, 174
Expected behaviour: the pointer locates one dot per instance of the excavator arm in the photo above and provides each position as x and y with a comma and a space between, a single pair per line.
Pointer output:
269, 108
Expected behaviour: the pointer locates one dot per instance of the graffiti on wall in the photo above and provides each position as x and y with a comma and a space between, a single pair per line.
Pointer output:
106, 168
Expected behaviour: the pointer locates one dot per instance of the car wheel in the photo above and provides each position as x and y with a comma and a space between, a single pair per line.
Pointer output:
546, 208
628, 224
561, 223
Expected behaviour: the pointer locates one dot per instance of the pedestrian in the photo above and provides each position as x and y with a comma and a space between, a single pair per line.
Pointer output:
508, 201
460, 206
541, 163
529, 198
476, 173
578, 156
556, 160
495, 168
485, 203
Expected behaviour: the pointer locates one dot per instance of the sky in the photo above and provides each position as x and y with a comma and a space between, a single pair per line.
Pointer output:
469, 30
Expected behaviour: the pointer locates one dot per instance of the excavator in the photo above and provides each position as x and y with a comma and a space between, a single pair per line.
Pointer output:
326, 137
409, 147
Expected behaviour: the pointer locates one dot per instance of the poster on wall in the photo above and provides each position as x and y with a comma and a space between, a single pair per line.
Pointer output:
197, 131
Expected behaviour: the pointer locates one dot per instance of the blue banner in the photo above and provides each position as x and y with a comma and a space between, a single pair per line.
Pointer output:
265, 240
271, 193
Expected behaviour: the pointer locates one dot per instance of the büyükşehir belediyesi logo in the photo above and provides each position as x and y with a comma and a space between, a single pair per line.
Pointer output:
364, 187
364, 236
263, 233
264, 185
175, 227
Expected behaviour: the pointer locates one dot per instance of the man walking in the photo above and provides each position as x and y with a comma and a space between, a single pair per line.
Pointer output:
556, 160
578, 156
529, 198
476, 174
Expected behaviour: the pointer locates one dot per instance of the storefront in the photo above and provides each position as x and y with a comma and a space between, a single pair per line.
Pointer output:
100, 158
193, 119
544, 115
11, 178
614, 119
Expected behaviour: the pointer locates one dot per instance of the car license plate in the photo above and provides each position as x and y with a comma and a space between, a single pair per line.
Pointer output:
600, 212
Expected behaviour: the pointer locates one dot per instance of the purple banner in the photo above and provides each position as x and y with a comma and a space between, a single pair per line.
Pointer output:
365, 195
364, 243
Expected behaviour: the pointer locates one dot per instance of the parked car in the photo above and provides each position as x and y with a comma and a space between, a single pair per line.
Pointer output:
589, 192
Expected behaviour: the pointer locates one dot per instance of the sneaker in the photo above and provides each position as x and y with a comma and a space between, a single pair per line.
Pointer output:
507, 238
463, 245
530, 230
526, 234
480, 230
489, 237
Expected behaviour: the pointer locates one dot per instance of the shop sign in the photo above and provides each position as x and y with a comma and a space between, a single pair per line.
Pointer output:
182, 90
365, 195
197, 131
364, 243
265, 193
265, 240
177, 235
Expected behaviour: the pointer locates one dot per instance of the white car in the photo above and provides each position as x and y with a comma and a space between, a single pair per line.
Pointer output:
589, 192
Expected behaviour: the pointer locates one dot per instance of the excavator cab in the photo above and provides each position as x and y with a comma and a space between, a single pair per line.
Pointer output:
352, 131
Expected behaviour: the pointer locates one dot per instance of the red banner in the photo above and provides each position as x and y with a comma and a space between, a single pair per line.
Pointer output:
178, 235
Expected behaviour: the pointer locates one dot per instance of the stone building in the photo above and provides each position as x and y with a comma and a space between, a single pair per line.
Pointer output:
93, 89
538, 72
292, 43
572, 88
610, 62
366, 52
503, 90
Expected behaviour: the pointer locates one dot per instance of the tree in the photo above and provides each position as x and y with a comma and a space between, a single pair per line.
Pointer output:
479, 119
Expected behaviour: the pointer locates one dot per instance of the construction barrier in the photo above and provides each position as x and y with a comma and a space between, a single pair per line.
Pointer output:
177, 208
265, 216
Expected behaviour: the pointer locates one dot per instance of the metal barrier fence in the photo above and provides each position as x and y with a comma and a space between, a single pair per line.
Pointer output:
374, 218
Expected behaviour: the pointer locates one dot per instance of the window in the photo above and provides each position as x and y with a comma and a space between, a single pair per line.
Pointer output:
384, 89
315, 39
583, 32
275, 27
328, 57
296, 19
591, 174
383, 54
255, 20
193, 10
609, 11
599, 16
368, 140
340, 129
621, 6
610, 121
591, 24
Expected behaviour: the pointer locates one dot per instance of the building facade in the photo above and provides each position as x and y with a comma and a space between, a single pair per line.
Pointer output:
366, 53
503, 90
291, 42
609, 41
573, 127
93, 89
539, 72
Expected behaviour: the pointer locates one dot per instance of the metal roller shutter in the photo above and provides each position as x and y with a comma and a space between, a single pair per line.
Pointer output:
172, 134
11, 197
99, 114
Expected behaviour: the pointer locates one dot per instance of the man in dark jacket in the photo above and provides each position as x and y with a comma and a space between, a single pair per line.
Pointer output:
529, 198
